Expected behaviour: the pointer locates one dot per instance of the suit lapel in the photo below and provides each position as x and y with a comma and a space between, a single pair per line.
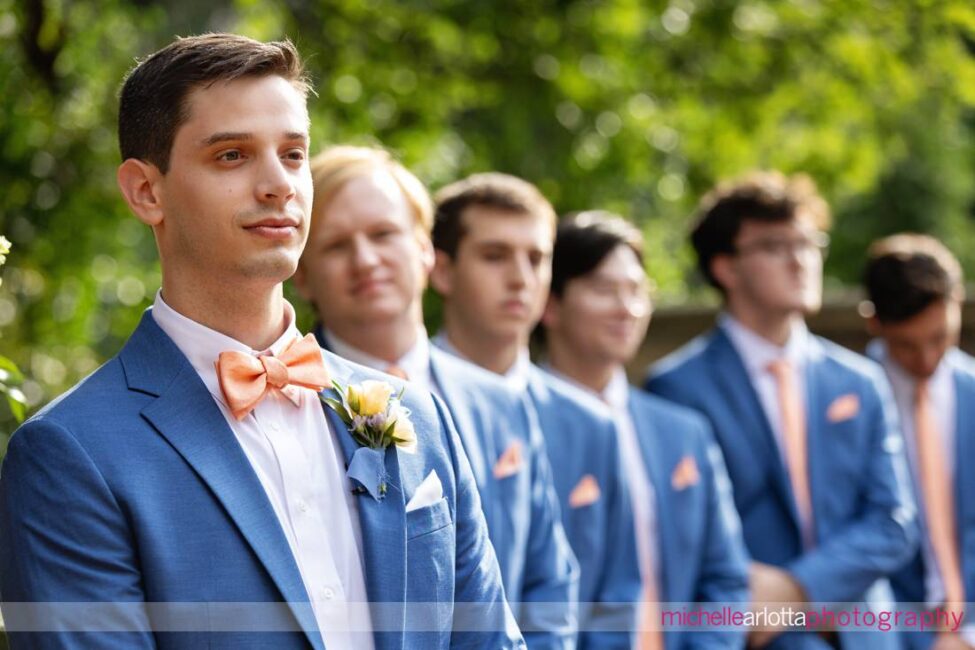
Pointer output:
155, 365
383, 525
736, 386
656, 462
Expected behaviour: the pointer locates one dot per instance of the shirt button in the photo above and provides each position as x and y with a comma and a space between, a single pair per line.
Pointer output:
302, 506
275, 427
328, 594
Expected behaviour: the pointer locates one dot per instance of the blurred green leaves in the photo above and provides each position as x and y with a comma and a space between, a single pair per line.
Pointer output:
636, 106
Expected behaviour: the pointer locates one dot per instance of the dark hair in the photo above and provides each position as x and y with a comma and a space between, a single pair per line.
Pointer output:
908, 272
152, 103
583, 240
768, 196
490, 190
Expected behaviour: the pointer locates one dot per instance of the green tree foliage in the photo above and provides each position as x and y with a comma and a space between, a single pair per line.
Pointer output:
631, 105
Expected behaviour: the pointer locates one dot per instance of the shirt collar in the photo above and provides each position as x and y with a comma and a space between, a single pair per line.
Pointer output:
416, 361
516, 377
758, 352
202, 345
616, 394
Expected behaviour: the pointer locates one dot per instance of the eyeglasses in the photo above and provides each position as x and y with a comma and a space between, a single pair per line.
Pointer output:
785, 248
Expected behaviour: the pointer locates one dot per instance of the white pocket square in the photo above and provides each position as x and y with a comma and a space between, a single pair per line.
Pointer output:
427, 493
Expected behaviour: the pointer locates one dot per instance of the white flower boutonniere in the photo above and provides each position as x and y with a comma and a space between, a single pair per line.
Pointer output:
376, 419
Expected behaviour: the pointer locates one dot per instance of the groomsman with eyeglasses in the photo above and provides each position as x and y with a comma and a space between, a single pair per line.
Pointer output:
808, 429
688, 533
916, 291
493, 237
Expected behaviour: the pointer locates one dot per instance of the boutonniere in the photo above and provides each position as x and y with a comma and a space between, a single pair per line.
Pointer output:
376, 419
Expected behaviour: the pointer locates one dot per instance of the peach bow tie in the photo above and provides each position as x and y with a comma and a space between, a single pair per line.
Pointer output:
245, 379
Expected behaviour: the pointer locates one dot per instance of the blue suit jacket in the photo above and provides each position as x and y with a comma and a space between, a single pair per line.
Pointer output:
538, 569
701, 554
131, 487
582, 441
909, 582
864, 515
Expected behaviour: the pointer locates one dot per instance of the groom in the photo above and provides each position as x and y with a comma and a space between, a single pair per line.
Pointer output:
193, 491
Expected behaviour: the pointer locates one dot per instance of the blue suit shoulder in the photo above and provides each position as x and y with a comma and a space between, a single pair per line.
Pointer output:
678, 423
685, 358
573, 401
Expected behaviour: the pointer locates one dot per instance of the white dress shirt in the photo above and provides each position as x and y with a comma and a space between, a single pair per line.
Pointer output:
300, 465
416, 361
757, 353
941, 388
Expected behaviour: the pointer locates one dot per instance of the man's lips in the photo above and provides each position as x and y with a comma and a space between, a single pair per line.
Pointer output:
274, 228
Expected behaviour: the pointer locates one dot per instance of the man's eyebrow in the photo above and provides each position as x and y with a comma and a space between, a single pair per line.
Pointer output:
239, 136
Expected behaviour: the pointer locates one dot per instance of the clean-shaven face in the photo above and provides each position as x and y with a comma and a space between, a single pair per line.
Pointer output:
237, 195
366, 261
603, 315
499, 278
778, 267
919, 343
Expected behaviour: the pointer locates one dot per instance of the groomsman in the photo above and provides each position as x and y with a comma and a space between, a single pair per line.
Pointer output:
365, 268
493, 237
807, 428
688, 533
916, 288
194, 491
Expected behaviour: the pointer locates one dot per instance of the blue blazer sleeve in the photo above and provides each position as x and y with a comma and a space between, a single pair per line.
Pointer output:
482, 617
550, 591
724, 567
886, 535
64, 538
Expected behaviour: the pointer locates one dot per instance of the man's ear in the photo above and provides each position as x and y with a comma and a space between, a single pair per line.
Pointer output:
874, 328
722, 270
139, 182
428, 257
441, 275
552, 312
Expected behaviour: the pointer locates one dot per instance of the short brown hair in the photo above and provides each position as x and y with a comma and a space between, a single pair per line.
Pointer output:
768, 196
152, 103
906, 273
584, 239
490, 190
336, 166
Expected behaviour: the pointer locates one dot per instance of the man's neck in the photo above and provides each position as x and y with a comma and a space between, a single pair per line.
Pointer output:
773, 327
498, 356
593, 375
256, 318
389, 340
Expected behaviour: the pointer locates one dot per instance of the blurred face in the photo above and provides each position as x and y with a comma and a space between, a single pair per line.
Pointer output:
603, 316
777, 268
498, 282
365, 261
919, 344
237, 196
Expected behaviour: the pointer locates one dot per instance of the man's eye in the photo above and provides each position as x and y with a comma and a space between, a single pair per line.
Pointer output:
229, 156
295, 154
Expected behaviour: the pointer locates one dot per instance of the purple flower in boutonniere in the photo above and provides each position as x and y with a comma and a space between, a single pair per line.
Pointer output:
376, 419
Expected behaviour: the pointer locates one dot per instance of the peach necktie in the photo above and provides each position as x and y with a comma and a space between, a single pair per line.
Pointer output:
245, 379
939, 507
794, 441
397, 371
651, 635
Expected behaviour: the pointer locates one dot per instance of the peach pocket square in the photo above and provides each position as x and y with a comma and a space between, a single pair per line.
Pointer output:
685, 474
510, 462
843, 408
586, 492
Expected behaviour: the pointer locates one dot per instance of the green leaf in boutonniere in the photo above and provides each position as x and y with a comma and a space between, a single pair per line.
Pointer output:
376, 419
